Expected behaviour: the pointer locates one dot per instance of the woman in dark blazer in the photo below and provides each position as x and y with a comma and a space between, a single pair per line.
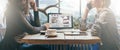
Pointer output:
105, 25
17, 25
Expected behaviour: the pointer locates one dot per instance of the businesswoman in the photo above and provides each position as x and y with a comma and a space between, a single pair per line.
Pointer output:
105, 25
17, 25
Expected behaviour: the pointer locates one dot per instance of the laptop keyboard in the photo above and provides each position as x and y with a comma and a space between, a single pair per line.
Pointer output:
68, 30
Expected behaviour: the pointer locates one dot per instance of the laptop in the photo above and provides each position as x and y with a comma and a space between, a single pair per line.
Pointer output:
61, 22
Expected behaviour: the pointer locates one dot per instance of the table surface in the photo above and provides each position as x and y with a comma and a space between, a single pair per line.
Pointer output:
61, 38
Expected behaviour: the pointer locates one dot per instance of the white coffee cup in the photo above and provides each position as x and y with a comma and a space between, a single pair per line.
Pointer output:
51, 32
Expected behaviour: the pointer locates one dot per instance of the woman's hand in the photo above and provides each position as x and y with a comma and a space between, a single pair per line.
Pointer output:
83, 25
47, 25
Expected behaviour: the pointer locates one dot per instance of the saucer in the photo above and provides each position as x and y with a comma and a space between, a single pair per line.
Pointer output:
51, 35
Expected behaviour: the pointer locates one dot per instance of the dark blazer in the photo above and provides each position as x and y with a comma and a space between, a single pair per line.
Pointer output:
107, 30
16, 26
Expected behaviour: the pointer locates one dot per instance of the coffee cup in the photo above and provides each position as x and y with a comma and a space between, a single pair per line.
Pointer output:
51, 32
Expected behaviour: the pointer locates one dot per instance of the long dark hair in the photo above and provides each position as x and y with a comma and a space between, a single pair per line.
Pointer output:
16, 5
12, 6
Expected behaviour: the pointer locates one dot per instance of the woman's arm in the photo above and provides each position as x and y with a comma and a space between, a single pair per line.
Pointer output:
28, 27
84, 17
36, 13
87, 9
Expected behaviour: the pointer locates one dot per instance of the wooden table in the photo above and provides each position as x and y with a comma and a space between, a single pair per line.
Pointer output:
60, 39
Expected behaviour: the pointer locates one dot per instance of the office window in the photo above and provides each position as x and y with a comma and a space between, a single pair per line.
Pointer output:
42, 5
3, 4
72, 7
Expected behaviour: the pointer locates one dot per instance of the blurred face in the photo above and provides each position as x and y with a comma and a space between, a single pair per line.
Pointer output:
25, 6
93, 3
96, 3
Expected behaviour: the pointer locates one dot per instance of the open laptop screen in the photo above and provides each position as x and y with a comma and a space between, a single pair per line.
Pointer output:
59, 20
